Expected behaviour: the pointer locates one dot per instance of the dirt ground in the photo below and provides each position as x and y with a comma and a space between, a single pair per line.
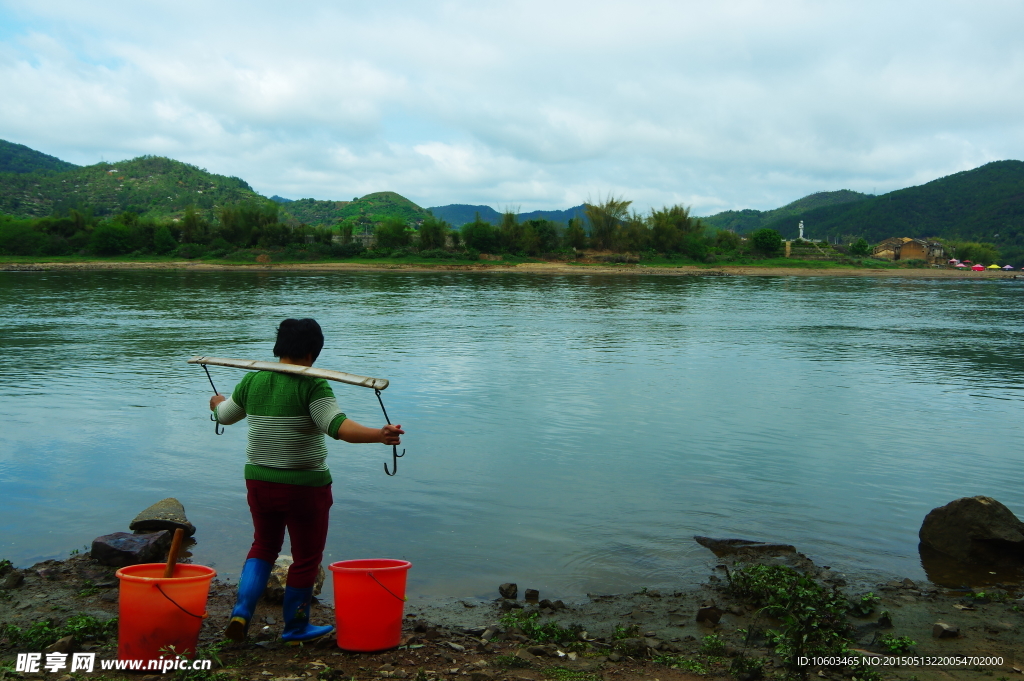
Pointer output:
623, 637
532, 267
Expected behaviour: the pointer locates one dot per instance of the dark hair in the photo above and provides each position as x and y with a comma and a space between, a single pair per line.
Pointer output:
297, 338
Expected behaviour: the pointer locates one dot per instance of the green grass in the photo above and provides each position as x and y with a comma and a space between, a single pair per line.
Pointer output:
41, 634
532, 628
564, 674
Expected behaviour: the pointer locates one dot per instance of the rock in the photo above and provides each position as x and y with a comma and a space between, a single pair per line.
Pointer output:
508, 590
558, 605
480, 675
614, 657
546, 604
943, 630
537, 651
507, 605
65, 645
526, 656
456, 647
710, 613
532, 595
167, 514
13, 580
974, 530
274, 593
726, 547
121, 548
489, 633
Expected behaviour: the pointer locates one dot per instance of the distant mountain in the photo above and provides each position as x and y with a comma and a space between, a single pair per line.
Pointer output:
146, 185
17, 158
279, 199
459, 214
749, 220
984, 204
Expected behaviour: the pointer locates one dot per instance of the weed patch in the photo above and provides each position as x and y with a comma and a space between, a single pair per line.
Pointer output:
527, 622
896, 644
506, 662
813, 617
41, 634
563, 674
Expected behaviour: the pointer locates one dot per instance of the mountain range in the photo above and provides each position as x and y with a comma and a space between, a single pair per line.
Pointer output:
983, 204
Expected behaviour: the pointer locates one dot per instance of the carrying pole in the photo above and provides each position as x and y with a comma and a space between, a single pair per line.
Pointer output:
278, 367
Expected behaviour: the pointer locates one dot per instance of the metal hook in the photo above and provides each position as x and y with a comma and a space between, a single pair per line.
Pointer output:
217, 428
395, 456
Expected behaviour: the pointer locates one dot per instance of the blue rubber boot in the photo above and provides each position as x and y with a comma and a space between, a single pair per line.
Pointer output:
250, 587
296, 616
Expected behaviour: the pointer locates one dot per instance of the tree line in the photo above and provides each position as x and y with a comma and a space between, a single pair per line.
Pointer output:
239, 230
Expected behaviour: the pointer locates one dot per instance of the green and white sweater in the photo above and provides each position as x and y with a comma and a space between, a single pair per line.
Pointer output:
288, 417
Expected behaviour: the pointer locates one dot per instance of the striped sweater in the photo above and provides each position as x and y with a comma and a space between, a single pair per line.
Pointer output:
288, 417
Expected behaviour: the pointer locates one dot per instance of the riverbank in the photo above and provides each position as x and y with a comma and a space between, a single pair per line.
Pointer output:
557, 268
703, 630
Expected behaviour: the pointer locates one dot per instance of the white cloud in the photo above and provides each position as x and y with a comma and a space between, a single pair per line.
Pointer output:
542, 105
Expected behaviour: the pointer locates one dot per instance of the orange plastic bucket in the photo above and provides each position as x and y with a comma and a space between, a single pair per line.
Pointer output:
369, 596
158, 613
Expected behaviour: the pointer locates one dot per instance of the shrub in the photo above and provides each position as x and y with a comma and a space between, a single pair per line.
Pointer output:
766, 241
111, 238
163, 240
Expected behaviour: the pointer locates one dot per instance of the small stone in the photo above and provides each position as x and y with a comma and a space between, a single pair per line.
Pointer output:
489, 633
614, 657
908, 584
558, 605
274, 593
480, 675
943, 630
269, 619
507, 605
456, 647
121, 548
13, 580
109, 596
532, 595
166, 514
508, 590
65, 645
654, 593
710, 613
546, 604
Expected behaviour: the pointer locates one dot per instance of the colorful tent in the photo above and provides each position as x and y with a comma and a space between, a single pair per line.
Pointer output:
960, 264
994, 266
1007, 267
978, 268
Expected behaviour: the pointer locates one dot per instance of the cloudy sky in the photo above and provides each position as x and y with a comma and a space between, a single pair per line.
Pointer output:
536, 105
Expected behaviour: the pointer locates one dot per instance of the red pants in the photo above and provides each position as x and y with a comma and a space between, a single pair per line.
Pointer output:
304, 511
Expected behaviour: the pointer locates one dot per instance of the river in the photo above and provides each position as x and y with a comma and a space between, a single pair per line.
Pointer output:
568, 433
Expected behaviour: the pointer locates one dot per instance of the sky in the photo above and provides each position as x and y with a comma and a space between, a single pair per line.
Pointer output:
528, 105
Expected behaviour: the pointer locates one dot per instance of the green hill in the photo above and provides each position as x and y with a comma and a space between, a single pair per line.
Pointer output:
150, 185
17, 158
20, 159
370, 209
985, 204
749, 220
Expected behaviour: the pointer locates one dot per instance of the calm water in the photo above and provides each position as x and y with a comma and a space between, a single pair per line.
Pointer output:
569, 433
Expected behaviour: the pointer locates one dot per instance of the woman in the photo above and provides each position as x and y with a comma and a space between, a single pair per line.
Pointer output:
286, 474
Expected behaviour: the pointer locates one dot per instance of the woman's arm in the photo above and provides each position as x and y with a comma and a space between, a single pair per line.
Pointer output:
350, 431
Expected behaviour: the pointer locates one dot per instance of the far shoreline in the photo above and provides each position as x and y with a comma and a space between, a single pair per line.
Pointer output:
557, 268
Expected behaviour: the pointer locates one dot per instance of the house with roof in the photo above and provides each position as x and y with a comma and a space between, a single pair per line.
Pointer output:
906, 248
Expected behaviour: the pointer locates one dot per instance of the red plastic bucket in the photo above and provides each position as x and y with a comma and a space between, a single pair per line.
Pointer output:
157, 613
369, 596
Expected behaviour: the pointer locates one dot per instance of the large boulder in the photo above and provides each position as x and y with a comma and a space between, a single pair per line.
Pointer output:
166, 514
974, 530
121, 548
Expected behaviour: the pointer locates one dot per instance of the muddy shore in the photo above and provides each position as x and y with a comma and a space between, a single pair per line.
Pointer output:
637, 636
557, 268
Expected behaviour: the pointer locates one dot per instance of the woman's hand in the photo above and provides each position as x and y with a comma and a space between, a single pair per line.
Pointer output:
215, 400
389, 434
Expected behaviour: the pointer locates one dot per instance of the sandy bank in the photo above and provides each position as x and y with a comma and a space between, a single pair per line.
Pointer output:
557, 268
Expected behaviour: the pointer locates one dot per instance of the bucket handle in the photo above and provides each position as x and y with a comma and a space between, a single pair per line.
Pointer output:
202, 617
401, 598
